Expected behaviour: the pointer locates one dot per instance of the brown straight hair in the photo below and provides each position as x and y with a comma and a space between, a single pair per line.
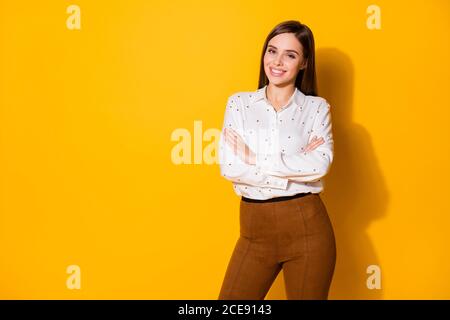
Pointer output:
306, 80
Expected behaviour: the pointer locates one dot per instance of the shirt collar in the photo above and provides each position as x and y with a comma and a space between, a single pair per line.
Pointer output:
298, 97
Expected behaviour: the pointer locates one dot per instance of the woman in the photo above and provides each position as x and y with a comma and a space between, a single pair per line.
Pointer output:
276, 146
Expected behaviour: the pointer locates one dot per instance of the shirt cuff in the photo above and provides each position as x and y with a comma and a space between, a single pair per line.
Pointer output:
277, 182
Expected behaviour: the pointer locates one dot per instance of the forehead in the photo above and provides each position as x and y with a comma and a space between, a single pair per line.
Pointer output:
286, 41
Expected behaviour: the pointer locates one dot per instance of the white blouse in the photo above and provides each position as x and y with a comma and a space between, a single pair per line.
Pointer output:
277, 138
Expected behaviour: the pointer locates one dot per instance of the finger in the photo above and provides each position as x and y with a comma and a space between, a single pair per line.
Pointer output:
231, 143
311, 143
230, 130
320, 141
230, 136
238, 146
314, 145
234, 133
238, 138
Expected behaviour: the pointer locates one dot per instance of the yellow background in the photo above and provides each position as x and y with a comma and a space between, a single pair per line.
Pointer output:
87, 115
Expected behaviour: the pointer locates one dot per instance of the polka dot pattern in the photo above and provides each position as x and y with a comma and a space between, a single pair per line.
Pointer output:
278, 137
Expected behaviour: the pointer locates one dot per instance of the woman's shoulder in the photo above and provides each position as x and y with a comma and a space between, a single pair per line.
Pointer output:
237, 95
241, 98
316, 100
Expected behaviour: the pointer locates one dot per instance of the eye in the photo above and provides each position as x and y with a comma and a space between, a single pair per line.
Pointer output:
292, 56
270, 50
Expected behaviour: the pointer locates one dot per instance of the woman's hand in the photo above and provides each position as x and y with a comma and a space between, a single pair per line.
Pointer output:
239, 147
314, 144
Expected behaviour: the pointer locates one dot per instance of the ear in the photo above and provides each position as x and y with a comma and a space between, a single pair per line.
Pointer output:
303, 65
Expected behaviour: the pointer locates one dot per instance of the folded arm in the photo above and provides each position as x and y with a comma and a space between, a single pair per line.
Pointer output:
304, 166
231, 166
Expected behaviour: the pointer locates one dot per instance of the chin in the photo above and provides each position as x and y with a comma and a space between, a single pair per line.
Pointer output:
278, 81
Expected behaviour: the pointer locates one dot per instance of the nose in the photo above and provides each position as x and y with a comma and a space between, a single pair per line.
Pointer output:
277, 60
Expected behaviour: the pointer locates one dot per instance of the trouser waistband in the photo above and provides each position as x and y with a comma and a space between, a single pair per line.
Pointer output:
283, 198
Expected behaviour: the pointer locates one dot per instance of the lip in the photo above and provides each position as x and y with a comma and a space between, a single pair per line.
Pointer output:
276, 74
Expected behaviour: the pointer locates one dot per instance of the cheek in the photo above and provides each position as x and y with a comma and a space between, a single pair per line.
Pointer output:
267, 59
293, 67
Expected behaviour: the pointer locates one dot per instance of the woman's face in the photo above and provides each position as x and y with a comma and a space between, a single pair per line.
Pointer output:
283, 59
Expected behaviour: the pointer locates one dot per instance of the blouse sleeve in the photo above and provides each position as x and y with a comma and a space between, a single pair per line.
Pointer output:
231, 166
304, 166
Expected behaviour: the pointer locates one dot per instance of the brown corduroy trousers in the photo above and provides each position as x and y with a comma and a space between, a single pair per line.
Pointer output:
295, 235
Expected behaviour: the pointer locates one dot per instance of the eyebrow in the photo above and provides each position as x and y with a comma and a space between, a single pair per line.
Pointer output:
286, 50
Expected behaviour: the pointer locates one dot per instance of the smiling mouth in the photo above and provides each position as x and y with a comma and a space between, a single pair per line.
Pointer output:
277, 72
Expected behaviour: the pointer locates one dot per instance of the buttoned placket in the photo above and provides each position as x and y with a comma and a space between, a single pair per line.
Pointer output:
264, 160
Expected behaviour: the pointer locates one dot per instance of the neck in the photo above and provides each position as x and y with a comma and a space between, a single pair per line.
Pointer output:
279, 93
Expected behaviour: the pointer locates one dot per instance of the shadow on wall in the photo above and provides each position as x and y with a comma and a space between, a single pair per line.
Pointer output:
355, 192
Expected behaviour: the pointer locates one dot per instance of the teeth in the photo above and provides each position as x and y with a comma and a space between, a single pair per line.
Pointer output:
277, 71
